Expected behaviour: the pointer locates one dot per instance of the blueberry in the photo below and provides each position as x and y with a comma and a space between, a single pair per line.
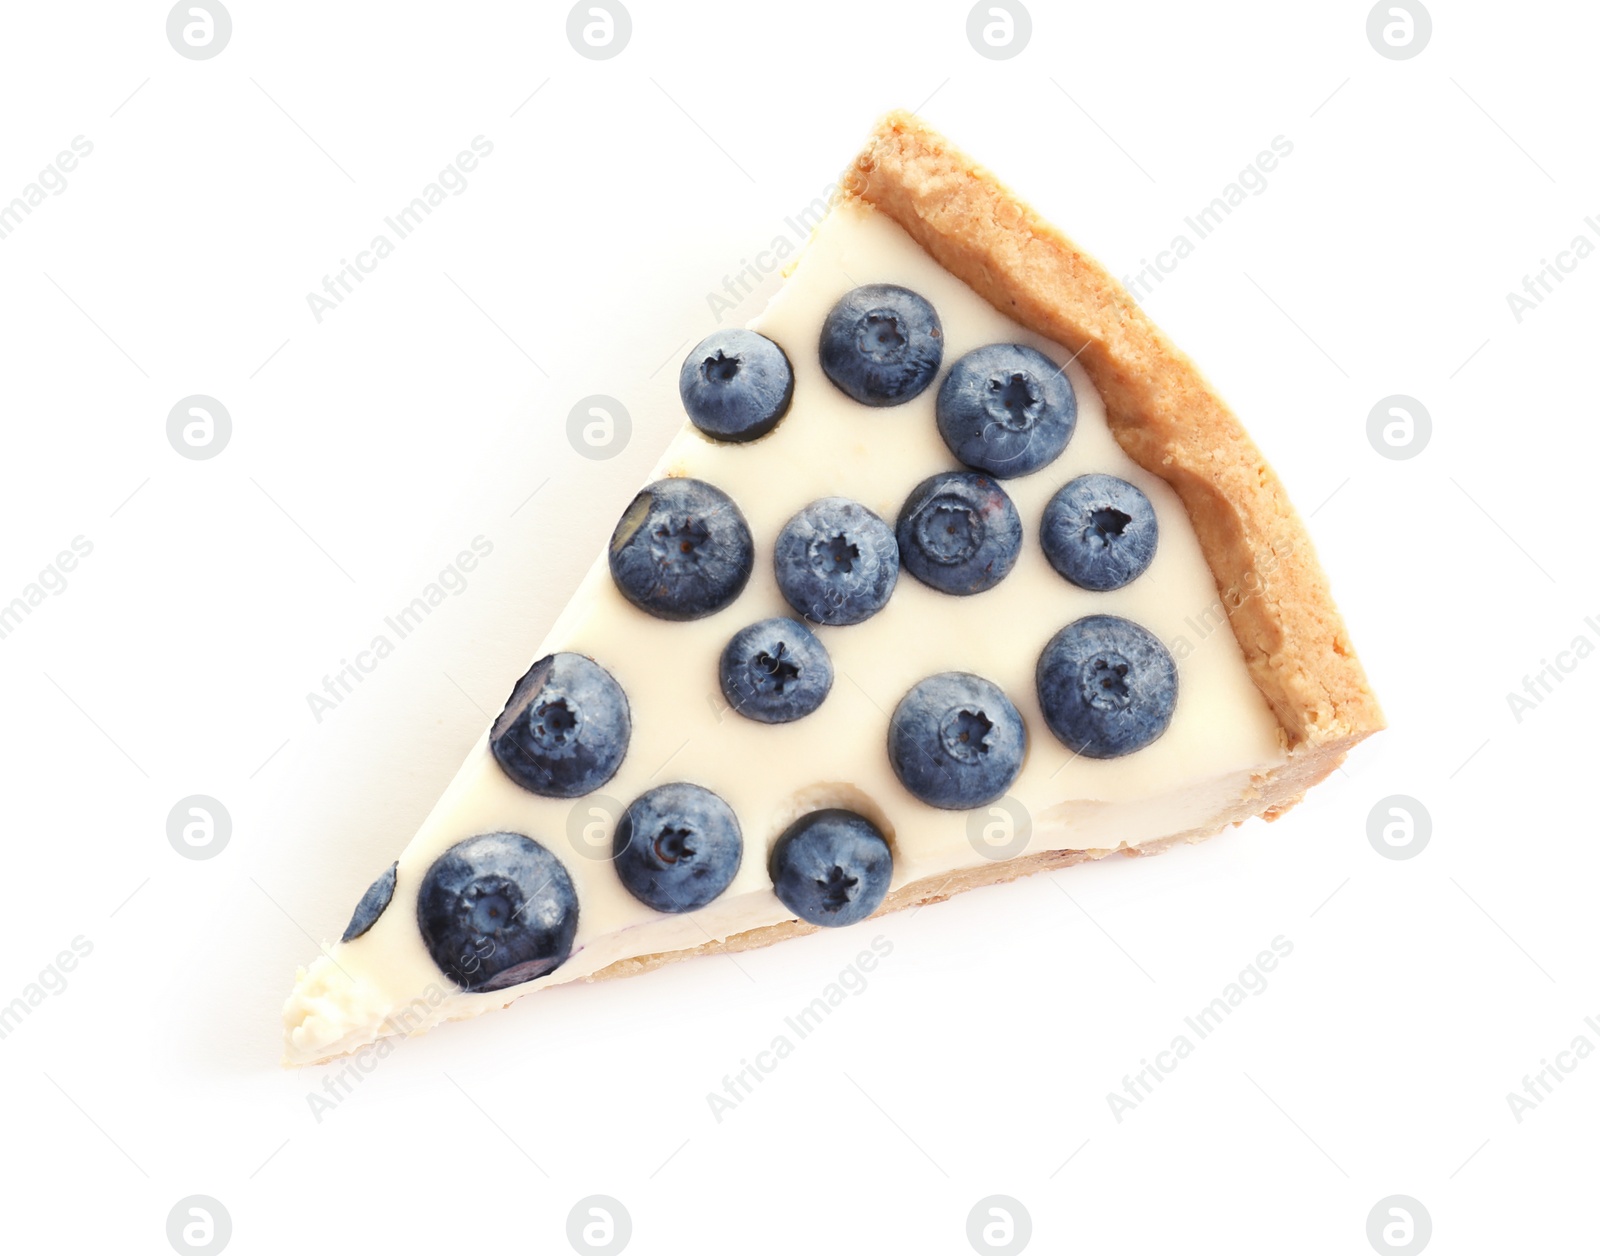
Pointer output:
736, 385
831, 867
565, 727
959, 532
836, 561
497, 910
882, 344
677, 847
1107, 686
681, 550
1099, 532
372, 904
956, 741
1007, 410
775, 671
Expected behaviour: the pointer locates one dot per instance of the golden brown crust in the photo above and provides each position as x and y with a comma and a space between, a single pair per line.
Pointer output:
1171, 422
1161, 410
1271, 795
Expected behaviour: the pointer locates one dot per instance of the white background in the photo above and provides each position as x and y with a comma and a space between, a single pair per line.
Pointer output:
370, 448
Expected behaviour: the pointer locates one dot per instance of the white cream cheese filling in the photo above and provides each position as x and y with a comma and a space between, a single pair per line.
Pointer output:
1222, 734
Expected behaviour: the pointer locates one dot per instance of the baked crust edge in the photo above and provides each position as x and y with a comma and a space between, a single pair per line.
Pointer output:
1170, 421
1161, 409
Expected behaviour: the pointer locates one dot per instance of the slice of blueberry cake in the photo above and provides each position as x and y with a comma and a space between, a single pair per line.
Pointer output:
957, 571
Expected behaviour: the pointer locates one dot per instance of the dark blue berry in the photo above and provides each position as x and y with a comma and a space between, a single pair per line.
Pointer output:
497, 910
836, 562
956, 741
1007, 410
1107, 686
372, 903
882, 344
1099, 532
564, 729
831, 867
775, 671
677, 847
959, 532
682, 550
736, 385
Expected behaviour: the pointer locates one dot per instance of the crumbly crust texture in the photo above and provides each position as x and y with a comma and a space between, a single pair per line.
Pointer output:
1161, 410
1171, 422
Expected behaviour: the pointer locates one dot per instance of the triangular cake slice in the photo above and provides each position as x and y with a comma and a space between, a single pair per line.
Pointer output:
959, 571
